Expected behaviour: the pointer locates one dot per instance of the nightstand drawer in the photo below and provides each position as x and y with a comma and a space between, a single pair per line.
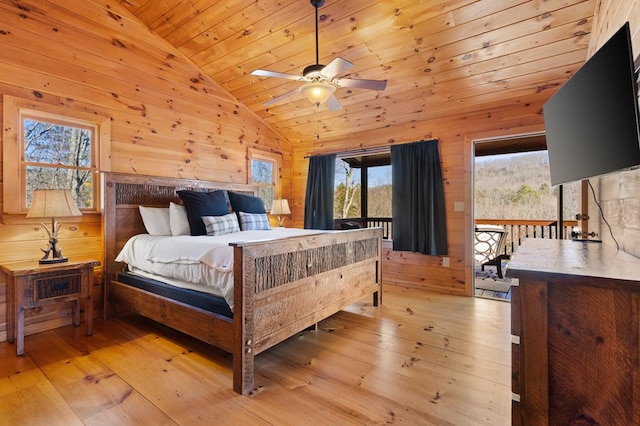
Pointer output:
57, 285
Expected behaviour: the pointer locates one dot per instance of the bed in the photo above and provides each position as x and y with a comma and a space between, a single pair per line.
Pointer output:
279, 289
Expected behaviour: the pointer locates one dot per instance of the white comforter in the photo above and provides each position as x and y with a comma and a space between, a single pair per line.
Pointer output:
204, 263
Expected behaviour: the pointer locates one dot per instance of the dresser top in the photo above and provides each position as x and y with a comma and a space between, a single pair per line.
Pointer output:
568, 257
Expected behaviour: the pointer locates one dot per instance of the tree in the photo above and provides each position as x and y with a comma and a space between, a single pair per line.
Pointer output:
347, 193
379, 198
262, 174
379, 192
58, 157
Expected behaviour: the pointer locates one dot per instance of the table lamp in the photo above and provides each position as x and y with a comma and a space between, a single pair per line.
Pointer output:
280, 207
53, 203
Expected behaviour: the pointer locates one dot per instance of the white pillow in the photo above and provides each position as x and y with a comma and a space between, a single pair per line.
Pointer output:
178, 221
220, 225
156, 220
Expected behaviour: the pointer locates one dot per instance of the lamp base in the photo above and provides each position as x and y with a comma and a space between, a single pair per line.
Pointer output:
53, 260
52, 249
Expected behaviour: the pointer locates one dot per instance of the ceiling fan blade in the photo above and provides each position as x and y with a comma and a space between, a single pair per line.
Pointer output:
336, 67
279, 98
333, 103
361, 83
265, 73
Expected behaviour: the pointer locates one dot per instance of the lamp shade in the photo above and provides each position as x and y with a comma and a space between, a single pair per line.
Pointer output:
280, 206
318, 92
53, 203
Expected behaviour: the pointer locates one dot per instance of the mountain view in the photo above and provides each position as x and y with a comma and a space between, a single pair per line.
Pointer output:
518, 186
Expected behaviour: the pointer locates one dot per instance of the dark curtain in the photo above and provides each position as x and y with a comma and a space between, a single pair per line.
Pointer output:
418, 207
318, 201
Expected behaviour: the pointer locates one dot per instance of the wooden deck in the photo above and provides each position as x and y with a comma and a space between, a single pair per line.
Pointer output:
420, 358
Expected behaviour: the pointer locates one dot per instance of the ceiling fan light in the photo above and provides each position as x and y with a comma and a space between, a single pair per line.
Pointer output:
318, 92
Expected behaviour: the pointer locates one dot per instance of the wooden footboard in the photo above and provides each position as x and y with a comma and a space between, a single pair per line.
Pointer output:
279, 288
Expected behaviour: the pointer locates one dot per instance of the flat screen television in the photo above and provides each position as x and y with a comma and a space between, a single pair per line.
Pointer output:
591, 123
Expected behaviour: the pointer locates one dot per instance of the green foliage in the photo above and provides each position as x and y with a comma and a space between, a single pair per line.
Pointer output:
544, 188
525, 194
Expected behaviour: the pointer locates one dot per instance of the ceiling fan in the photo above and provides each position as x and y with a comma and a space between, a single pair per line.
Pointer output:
322, 81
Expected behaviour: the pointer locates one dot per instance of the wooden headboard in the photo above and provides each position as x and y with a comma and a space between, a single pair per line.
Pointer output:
123, 194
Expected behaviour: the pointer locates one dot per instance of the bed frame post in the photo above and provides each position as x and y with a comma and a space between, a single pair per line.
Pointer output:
243, 324
377, 296
109, 235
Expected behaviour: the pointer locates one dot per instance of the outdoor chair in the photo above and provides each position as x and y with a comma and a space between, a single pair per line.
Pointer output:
489, 246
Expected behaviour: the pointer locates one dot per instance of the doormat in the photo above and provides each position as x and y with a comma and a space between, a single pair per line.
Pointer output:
500, 285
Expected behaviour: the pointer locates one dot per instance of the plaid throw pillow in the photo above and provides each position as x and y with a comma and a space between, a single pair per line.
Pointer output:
254, 221
220, 225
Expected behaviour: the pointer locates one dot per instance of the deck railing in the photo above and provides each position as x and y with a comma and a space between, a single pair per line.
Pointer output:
517, 229
382, 222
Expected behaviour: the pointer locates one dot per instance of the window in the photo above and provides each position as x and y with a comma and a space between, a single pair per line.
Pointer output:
264, 171
55, 148
362, 193
58, 155
379, 192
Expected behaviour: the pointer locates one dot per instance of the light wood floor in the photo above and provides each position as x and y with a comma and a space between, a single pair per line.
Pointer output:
421, 358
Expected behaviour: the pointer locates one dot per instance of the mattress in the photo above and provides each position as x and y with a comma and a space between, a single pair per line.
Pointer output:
201, 263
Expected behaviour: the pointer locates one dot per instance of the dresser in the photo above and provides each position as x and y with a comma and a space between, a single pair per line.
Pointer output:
31, 285
575, 321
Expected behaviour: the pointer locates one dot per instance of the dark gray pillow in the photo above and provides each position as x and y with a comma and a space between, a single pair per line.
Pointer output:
200, 204
246, 203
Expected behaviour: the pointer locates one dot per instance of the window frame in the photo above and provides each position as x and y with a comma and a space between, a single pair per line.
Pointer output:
14, 164
272, 157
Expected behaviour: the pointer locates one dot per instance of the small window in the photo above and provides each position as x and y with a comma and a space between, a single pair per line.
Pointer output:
52, 147
59, 155
264, 171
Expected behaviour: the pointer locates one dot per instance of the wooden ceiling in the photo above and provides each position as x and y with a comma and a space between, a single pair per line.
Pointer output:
440, 57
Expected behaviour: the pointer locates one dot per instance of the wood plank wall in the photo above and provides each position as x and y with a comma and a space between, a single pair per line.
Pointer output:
619, 193
167, 118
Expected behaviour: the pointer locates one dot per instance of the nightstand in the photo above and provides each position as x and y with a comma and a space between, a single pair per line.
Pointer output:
31, 285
